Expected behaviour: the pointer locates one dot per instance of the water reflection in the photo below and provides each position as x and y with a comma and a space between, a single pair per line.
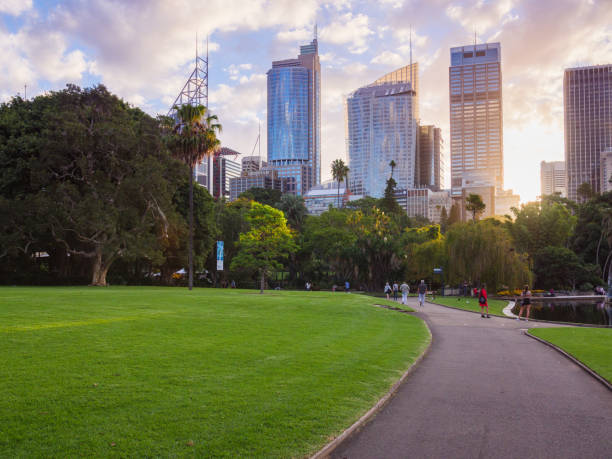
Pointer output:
583, 312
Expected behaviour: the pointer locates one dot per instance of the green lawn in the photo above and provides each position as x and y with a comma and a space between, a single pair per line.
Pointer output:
471, 304
166, 372
592, 346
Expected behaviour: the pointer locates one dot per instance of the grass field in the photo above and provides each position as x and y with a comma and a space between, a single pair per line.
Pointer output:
127, 372
471, 304
592, 346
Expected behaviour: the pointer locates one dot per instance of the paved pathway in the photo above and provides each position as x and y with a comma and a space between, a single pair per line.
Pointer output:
486, 390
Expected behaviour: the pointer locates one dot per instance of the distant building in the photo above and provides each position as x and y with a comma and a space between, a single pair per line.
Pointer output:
476, 142
552, 178
505, 201
429, 161
224, 170
606, 170
252, 164
264, 178
381, 126
294, 118
320, 197
424, 202
587, 101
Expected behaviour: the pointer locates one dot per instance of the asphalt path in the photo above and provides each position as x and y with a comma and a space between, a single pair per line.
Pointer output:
485, 390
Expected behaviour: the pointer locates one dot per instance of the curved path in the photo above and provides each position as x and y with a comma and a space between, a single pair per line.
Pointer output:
486, 390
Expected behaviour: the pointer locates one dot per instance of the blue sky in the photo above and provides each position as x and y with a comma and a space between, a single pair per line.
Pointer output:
143, 51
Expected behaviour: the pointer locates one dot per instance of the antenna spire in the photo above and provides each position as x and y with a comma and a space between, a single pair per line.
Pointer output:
411, 79
315, 31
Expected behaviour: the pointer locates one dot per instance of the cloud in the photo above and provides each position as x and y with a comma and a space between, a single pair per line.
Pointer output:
15, 69
348, 30
294, 34
481, 15
388, 58
15, 7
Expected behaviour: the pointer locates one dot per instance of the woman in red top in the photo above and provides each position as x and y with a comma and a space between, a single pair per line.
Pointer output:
482, 301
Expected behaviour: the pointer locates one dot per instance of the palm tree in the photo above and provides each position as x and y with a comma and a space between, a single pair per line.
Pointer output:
339, 172
392, 164
191, 138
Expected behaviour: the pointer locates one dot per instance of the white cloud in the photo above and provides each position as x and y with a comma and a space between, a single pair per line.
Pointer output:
388, 58
482, 15
348, 30
15, 7
294, 34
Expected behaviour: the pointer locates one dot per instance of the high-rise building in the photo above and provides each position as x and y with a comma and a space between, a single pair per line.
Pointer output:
587, 100
224, 169
321, 196
381, 126
429, 161
476, 142
294, 118
252, 164
263, 178
552, 178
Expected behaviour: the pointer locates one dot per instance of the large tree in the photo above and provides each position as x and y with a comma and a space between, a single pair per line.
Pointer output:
192, 138
94, 172
475, 205
266, 245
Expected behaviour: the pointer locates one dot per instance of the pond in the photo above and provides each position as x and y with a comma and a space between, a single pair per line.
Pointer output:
583, 312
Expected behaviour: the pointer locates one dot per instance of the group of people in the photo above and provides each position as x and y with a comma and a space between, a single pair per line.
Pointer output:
405, 289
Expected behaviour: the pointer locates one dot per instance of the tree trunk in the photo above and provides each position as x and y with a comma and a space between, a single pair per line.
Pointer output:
100, 268
262, 282
190, 255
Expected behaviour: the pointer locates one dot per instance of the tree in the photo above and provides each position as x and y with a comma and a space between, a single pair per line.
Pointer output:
95, 172
585, 191
267, 196
294, 209
474, 204
266, 245
454, 215
192, 138
392, 165
388, 203
339, 173
559, 267
443, 220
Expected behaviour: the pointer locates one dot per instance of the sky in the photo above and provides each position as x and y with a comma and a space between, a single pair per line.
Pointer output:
144, 51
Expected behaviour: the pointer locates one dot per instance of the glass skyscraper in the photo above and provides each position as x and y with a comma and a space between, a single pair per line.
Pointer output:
294, 119
476, 141
587, 100
381, 126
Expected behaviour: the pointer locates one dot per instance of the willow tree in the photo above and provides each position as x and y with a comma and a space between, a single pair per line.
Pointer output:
191, 138
339, 172
484, 251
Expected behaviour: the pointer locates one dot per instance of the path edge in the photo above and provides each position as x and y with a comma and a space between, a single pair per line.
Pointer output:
332, 445
589, 370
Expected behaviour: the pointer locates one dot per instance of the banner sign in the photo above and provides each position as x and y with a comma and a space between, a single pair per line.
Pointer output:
219, 255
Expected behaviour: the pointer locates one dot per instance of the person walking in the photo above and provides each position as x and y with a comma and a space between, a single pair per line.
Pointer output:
483, 301
387, 289
525, 302
405, 288
422, 290
347, 286
395, 290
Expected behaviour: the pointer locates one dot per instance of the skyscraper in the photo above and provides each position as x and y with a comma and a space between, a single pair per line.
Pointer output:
552, 178
476, 141
587, 100
381, 126
294, 119
429, 161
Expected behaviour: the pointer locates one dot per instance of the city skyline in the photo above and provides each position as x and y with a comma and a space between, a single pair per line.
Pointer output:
145, 54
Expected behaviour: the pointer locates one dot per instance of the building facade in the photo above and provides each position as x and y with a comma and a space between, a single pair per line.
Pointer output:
606, 170
476, 129
264, 178
321, 196
224, 169
381, 126
294, 117
552, 178
423, 202
587, 102
429, 161
505, 201
252, 164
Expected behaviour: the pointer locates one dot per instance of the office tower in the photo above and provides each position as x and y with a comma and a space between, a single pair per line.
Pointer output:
263, 178
429, 161
606, 170
294, 118
321, 196
476, 141
224, 169
252, 164
552, 178
587, 100
381, 126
